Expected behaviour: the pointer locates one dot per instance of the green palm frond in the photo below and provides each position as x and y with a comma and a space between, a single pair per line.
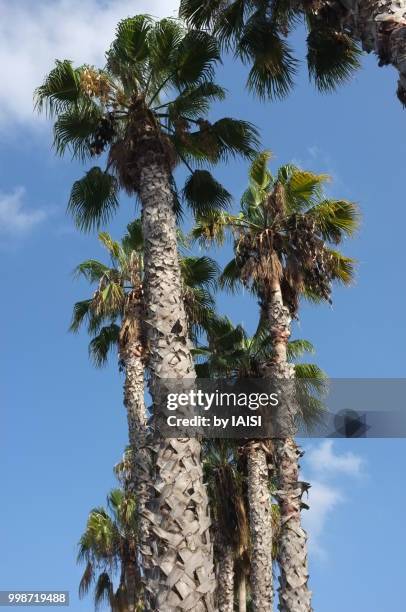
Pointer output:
81, 312
92, 270
343, 267
230, 278
200, 13
164, 39
194, 102
199, 271
93, 199
203, 193
273, 66
335, 218
113, 247
75, 130
210, 228
60, 89
195, 59
259, 173
332, 57
302, 188
103, 593
101, 345
130, 47
296, 348
133, 240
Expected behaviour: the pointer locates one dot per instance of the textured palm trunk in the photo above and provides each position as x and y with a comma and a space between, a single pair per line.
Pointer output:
380, 26
242, 593
180, 572
131, 346
225, 577
294, 593
260, 520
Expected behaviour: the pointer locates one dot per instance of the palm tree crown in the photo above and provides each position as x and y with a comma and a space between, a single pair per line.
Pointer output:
108, 547
259, 34
152, 98
117, 284
287, 229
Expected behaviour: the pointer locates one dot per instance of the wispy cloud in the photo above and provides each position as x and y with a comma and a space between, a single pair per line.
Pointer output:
34, 34
324, 459
324, 498
325, 467
15, 217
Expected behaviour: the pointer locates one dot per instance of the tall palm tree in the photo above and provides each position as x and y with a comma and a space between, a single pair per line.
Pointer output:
147, 110
231, 353
226, 489
283, 249
108, 547
115, 318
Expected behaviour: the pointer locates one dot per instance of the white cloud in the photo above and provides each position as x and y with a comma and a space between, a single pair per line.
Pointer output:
15, 219
324, 499
325, 469
34, 34
324, 459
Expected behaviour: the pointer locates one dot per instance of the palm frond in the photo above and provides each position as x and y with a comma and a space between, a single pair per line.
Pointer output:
204, 194
200, 13
236, 137
101, 345
210, 228
230, 278
194, 102
296, 348
130, 47
343, 268
302, 188
82, 311
103, 593
335, 218
60, 89
195, 59
273, 66
199, 271
86, 580
332, 57
259, 173
93, 199
133, 240
92, 270
75, 130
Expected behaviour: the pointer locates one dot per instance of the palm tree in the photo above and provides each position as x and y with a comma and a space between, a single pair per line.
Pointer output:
147, 110
231, 353
108, 546
283, 249
115, 318
230, 517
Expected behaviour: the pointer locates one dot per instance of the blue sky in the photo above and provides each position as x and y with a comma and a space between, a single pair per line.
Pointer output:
62, 421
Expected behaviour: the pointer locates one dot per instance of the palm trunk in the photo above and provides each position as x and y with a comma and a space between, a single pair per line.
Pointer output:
225, 577
131, 354
242, 593
294, 593
180, 573
380, 26
260, 527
